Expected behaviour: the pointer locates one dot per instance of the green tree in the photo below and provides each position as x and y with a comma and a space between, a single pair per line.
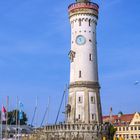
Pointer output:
111, 131
12, 115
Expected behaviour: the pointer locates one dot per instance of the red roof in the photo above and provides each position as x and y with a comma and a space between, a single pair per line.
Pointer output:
119, 120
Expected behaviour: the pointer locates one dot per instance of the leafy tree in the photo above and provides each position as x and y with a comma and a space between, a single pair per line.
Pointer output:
12, 115
111, 131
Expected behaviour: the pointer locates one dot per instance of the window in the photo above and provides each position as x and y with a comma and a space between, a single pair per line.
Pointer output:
80, 74
89, 22
119, 128
93, 116
92, 100
90, 57
135, 128
131, 128
127, 136
139, 127
79, 22
126, 128
79, 116
79, 99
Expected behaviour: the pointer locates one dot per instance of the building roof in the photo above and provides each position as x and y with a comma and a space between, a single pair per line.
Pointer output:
119, 119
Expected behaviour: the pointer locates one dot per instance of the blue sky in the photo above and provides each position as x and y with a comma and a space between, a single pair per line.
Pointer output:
35, 41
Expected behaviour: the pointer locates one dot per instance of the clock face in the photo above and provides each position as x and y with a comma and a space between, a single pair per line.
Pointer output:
80, 40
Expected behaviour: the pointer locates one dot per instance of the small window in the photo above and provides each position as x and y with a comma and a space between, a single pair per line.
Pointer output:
127, 136
93, 116
92, 100
79, 116
80, 74
126, 128
79, 22
119, 128
79, 99
90, 22
90, 57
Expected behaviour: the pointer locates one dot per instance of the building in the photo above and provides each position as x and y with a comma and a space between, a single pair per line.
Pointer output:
84, 89
128, 125
13, 131
84, 114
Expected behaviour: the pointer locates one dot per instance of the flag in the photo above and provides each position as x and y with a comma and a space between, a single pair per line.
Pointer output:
3, 115
20, 115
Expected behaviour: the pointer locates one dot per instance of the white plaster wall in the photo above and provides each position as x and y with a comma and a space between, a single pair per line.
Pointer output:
81, 60
80, 106
72, 103
92, 106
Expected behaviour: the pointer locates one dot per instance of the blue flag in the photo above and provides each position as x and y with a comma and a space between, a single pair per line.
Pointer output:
20, 116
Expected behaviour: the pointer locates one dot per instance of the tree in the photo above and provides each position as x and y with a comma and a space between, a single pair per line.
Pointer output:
12, 115
111, 131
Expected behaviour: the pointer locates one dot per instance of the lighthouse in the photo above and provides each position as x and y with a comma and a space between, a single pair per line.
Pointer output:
83, 110
84, 105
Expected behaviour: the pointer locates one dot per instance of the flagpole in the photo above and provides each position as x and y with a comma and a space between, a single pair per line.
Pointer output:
16, 119
36, 113
7, 105
18, 129
1, 123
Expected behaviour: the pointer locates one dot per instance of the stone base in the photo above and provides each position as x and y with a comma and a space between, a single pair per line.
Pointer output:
72, 132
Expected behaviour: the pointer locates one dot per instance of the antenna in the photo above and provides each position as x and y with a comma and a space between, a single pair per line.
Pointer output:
110, 115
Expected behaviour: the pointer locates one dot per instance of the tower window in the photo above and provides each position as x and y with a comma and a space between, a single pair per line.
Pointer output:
80, 74
79, 116
79, 99
92, 100
93, 116
80, 22
90, 22
90, 57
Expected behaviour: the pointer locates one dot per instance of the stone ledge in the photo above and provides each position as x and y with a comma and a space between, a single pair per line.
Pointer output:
87, 84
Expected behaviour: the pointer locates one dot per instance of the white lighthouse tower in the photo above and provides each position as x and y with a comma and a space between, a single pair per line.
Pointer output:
84, 117
84, 104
